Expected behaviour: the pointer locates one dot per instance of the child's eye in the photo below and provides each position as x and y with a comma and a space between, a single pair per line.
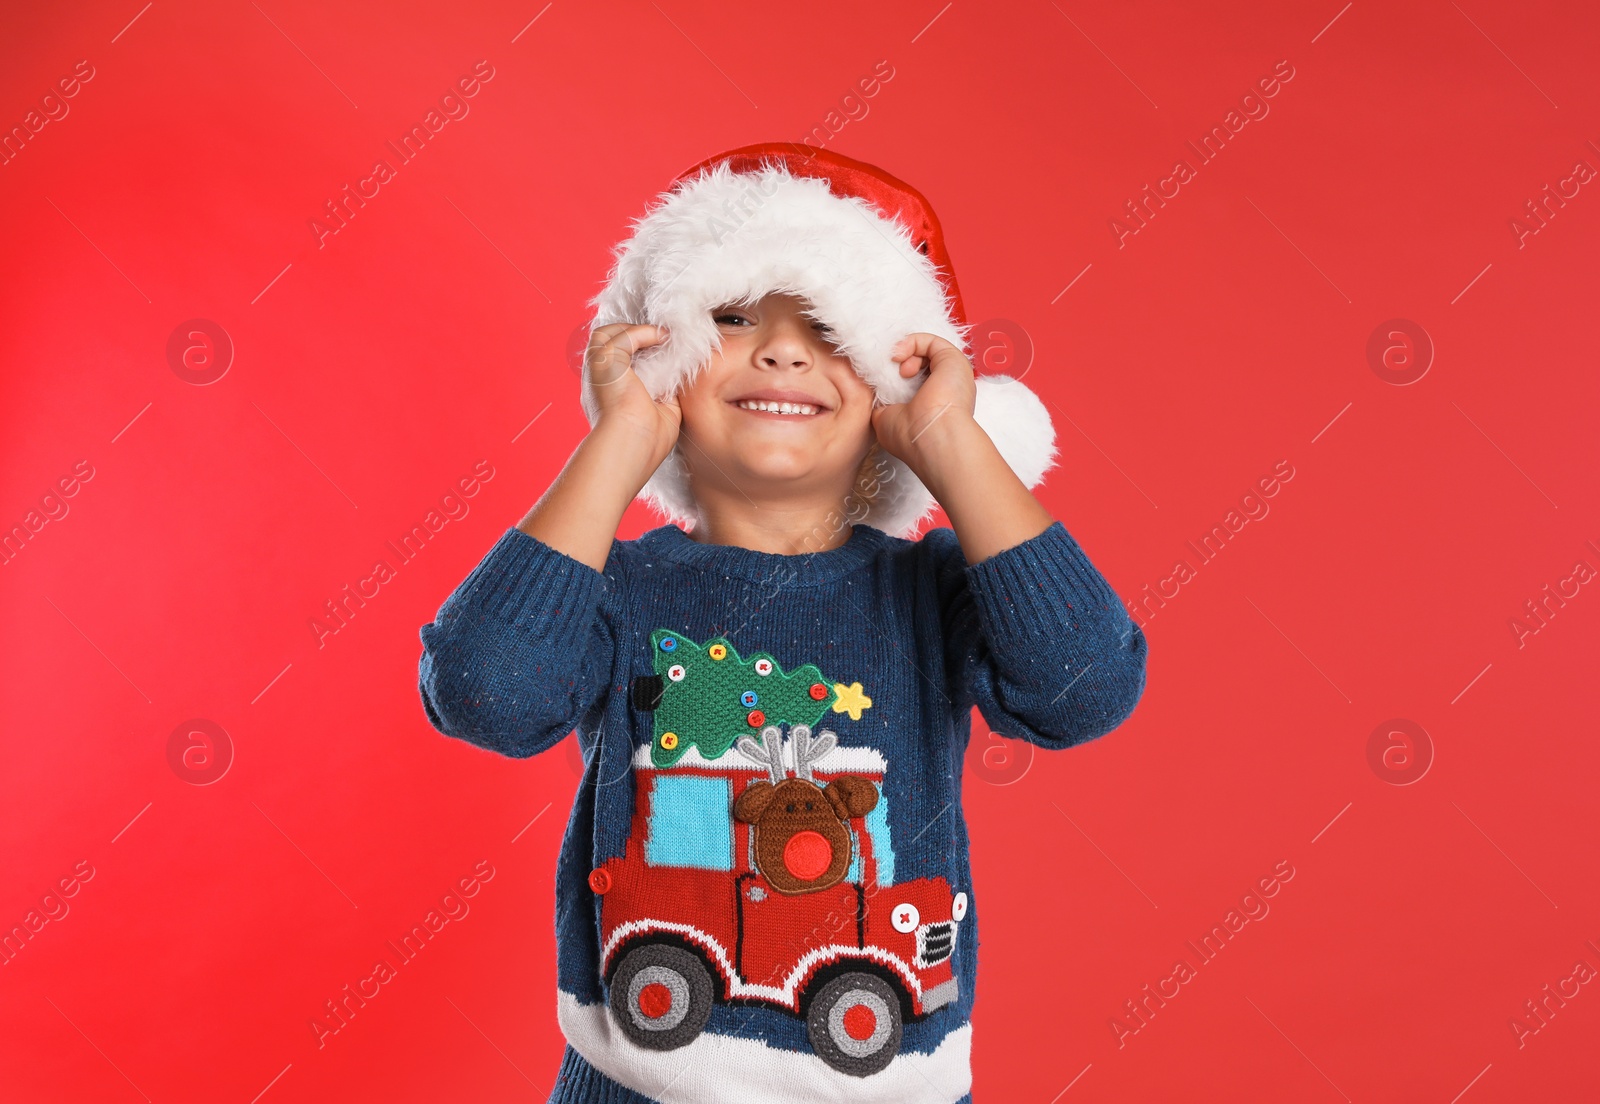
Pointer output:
730, 319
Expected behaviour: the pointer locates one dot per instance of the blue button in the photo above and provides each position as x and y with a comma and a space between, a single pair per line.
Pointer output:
747, 698
669, 644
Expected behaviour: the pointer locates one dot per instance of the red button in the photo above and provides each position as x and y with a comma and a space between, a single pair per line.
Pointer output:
755, 718
859, 1022
599, 879
808, 855
818, 691
655, 1000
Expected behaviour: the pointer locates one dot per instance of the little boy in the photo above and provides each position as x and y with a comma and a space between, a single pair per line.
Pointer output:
763, 893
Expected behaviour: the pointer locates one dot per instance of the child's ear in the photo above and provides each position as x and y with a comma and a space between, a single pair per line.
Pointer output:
749, 805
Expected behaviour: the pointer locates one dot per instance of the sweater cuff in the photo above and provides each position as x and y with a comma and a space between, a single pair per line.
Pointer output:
1040, 585
522, 579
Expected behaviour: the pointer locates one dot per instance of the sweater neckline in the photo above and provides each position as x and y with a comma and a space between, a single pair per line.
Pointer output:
672, 543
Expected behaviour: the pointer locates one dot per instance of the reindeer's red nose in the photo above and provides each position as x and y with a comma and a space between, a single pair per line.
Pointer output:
808, 855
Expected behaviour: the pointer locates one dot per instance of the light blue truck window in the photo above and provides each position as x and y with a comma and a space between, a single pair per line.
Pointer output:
882, 848
691, 823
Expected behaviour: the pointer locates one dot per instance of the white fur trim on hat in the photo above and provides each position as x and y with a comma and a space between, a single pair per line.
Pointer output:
725, 237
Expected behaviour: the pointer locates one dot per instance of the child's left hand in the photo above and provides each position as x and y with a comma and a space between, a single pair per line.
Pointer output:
943, 405
938, 437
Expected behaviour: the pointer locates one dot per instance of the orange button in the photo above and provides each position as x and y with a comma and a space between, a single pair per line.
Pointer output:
818, 691
599, 879
755, 718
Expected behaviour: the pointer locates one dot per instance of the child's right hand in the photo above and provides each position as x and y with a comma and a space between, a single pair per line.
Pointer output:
626, 406
578, 514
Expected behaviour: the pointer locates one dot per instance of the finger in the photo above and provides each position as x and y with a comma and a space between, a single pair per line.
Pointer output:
612, 348
921, 344
608, 364
909, 362
631, 337
928, 352
600, 334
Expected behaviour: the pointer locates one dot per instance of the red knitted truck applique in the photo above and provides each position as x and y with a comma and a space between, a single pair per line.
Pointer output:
764, 873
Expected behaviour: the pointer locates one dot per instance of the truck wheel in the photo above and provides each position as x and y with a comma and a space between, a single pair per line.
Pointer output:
661, 995
855, 1023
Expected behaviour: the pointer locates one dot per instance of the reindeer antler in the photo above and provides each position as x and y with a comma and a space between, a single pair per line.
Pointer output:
807, 751
769, 752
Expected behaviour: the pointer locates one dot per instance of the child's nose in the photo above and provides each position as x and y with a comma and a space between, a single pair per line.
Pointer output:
784, 349
784, 359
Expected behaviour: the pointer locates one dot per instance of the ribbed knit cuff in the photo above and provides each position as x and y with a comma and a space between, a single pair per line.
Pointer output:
1039, 585
578, 1082
522, 578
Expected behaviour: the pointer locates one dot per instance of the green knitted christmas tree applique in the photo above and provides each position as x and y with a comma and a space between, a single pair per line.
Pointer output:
709, 696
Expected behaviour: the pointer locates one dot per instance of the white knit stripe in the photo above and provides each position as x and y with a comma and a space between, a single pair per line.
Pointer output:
789, 991
863, 760
727, 1069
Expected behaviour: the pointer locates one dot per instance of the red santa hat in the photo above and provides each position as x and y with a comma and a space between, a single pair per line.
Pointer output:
863, 248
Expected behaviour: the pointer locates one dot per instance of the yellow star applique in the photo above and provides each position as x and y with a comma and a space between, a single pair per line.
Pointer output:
850, 700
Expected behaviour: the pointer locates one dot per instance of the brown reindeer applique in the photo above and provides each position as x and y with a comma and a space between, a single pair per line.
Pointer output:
802, 841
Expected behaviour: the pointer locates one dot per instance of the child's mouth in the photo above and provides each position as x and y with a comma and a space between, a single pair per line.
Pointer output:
779, 409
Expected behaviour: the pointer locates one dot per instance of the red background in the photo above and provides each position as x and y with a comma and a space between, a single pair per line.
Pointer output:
1228, 334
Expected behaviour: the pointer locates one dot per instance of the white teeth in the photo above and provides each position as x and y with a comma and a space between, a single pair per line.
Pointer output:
777, 407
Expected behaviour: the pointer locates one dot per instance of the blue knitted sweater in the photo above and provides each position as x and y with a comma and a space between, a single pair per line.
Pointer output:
763, 893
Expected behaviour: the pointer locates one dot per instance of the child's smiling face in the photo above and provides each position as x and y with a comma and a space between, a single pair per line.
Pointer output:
776, 407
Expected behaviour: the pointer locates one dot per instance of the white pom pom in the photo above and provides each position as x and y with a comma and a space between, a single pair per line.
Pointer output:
1019, 425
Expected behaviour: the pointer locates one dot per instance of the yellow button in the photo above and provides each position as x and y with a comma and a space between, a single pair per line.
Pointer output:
717, 651
669, 740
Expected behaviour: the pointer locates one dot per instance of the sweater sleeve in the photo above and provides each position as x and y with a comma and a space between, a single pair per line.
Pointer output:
1037, 639
521, 650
